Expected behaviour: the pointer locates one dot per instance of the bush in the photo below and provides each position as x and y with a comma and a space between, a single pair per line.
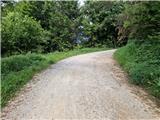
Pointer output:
142, 61
21, 34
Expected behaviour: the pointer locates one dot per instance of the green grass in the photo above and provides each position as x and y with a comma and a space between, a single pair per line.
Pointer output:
142, 62
17, 70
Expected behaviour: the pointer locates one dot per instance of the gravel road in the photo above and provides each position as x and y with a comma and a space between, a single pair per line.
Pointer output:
83, 87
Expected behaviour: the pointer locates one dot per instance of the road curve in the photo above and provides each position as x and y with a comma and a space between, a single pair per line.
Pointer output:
83, 87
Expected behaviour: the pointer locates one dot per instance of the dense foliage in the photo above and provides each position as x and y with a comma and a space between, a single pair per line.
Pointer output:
21, 33
59, 18
143, 19
99, 23
141, 57
39, 26
60, 25
142, 62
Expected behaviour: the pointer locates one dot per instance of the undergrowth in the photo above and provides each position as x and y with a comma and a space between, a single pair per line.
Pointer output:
142, 62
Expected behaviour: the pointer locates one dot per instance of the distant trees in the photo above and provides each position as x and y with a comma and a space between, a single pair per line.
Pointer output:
111, 24
99, 22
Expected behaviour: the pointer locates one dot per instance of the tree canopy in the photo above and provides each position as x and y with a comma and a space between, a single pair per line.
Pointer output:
47, 26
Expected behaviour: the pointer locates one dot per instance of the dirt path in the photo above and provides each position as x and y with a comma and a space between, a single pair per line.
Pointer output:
84, 87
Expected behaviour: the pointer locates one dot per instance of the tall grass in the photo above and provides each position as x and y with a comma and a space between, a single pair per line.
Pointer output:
142, 62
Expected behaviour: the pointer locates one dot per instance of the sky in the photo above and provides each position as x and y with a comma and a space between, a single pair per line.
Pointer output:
81, 2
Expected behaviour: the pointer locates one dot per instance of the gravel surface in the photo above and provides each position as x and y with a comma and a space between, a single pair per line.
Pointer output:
84, 87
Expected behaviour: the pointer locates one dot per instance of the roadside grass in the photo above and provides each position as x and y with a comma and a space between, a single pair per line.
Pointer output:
17, 70
142, 62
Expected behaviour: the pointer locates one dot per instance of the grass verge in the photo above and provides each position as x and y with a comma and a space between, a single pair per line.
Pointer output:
17, 70
142, 62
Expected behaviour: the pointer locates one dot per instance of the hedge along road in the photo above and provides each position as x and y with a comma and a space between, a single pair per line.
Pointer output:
89, 86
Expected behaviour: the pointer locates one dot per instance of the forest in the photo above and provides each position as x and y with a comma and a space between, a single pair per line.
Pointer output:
35, 34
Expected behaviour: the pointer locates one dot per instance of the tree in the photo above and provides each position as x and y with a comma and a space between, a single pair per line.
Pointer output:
143, 20
99, 22
60, 18
21, 34
7, 6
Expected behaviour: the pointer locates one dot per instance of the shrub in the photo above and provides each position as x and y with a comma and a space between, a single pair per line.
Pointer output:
21, 34
142, 61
